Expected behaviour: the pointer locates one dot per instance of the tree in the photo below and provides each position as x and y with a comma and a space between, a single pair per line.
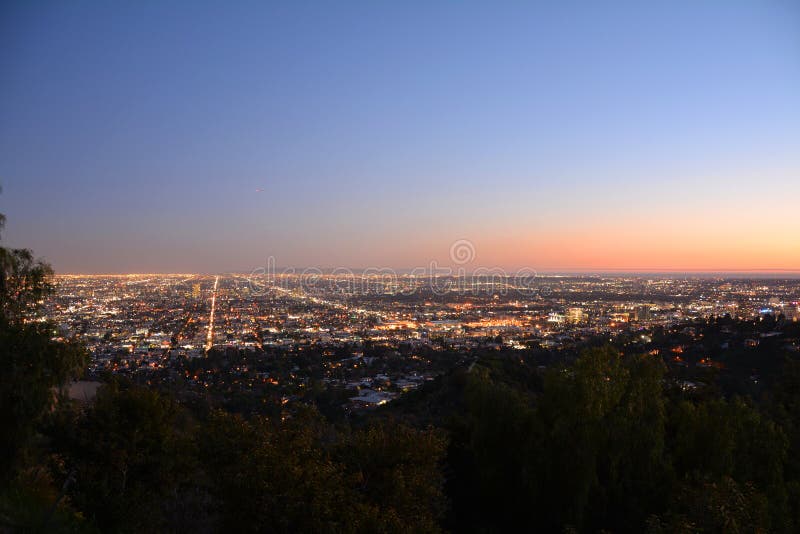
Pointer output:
724, 506
134, 461
272, 476
603, 444
303, 475
587, 452
35, 364
396, 471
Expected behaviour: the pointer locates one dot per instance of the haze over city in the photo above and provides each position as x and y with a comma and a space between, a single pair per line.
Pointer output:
176, 137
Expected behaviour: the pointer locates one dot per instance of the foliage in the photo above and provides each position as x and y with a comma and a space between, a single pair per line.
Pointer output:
35, 365
602, 447
132, 458
301, 475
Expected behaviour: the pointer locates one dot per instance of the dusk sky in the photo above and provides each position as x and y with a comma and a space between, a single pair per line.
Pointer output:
206, 136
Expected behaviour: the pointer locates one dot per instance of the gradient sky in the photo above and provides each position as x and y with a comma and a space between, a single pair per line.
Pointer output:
134, 136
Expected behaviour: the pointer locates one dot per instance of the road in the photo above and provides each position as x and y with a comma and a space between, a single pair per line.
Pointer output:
210, 336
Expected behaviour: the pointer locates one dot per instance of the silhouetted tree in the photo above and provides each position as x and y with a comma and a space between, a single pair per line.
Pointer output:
133, 458
35, 365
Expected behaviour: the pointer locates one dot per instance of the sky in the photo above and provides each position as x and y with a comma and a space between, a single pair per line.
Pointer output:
558, 136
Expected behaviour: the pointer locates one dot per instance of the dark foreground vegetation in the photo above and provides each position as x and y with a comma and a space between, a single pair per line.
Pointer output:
609, 442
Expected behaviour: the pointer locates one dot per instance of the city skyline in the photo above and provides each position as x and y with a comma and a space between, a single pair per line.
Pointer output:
183, 138
358, 267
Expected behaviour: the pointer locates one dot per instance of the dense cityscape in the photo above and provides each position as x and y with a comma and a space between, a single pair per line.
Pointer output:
367, 340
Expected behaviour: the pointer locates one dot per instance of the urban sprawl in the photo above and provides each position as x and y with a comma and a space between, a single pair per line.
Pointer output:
258, 345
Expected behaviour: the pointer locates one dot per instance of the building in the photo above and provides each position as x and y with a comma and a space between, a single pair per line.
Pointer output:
792, 313
576, 315
642, 313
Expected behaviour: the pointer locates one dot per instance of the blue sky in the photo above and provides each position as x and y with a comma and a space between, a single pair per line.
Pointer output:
135, 136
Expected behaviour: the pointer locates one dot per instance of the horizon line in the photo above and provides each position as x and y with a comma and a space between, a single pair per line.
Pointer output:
407, 271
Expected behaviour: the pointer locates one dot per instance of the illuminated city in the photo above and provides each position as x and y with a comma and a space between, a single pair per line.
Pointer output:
370, 338
404, 267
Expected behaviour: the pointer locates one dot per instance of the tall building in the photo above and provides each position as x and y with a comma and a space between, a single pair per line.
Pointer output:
196, 291
576, 315
791, 312
642, 313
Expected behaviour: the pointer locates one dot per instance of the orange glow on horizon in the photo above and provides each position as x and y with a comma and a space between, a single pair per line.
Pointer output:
605, 249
